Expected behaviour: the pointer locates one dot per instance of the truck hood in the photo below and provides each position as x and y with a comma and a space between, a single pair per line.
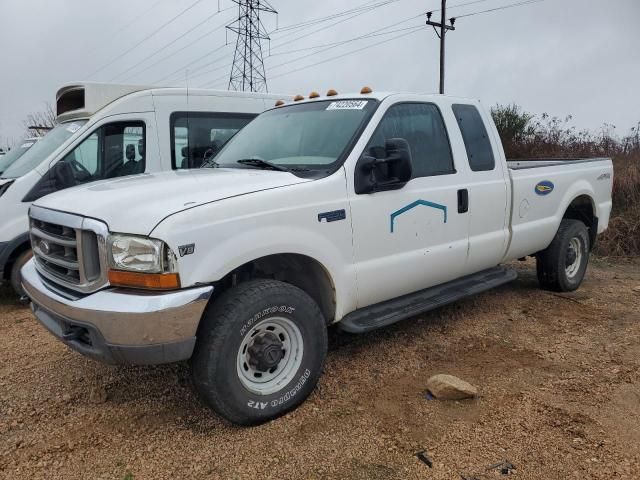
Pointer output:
137, 204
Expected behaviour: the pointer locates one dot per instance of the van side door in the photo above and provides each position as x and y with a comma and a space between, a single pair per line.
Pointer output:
414, 237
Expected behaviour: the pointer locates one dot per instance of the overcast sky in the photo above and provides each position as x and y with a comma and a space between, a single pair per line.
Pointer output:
579, 57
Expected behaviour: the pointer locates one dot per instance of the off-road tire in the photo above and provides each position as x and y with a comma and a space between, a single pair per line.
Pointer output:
16, 277
552, 262
224, 327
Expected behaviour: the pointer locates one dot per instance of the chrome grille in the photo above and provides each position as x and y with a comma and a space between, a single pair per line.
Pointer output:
56, 248
69, 250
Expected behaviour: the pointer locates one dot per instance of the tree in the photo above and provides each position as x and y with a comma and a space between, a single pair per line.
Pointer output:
39, 123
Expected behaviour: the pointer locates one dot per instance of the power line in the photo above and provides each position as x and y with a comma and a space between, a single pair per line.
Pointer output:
394, 38
205, 65
416, 29
164, 47
364, 7
351, 14
146, 38
306, 23
127, 25
342, 42
504, 7
334, 46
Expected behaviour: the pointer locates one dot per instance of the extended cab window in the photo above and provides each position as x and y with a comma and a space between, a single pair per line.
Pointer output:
198, 137
422, 126
476, 140
113, 150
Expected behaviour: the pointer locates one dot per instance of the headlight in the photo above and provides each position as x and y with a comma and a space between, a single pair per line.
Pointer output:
141, 262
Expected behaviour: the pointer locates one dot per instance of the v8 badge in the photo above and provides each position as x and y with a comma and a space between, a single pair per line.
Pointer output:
187, 249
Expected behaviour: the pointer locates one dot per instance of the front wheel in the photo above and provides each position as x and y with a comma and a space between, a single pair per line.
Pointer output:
562, 265
260, 351
16, 276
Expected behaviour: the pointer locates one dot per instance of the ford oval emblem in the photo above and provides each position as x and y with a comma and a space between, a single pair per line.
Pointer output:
44, 247
544, 187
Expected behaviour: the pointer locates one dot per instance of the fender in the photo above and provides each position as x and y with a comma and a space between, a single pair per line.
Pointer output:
578, 189
227, 256
8, 249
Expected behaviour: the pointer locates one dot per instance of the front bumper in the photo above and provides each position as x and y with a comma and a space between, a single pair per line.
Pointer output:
120, 326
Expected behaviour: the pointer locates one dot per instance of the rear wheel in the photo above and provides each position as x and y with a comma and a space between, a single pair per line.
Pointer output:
260, 351
562, 265
16, 277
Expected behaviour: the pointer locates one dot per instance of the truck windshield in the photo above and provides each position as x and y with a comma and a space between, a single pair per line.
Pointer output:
41, 150
311, 137
10, 158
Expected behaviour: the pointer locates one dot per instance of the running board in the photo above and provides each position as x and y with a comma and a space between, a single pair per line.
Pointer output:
392, 311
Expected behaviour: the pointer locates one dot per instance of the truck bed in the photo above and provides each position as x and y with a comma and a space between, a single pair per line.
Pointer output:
523, 163
536, 214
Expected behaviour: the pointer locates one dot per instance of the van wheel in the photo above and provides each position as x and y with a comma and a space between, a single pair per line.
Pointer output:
16, 277
562, 265
260, 351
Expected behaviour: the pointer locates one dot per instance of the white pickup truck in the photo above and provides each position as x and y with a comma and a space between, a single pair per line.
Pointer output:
359, 210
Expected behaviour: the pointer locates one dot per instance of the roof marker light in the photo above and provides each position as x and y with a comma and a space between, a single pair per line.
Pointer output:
332, 93
279, 103
297, 98
314, 95
366, 90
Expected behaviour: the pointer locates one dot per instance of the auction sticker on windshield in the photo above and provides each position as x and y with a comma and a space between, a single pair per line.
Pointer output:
347, 105
73, 128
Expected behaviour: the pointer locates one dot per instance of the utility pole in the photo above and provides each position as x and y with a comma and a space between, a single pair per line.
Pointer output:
443, 29
247, 71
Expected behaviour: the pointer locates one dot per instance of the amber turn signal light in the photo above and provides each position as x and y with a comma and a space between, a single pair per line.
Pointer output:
297, 98
332, 93
314, 95
366, 90
279, 102
150, 281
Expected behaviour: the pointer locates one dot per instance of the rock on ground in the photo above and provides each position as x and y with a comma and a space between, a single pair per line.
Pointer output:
448, 387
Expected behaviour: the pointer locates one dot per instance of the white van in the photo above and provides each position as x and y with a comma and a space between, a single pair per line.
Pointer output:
107, 131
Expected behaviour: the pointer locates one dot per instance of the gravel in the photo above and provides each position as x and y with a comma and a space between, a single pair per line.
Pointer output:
559, 378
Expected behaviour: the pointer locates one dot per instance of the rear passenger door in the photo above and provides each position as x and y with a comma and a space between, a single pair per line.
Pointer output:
487, 189
412, 238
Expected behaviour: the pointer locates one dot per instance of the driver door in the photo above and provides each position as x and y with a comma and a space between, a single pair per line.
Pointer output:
411, 238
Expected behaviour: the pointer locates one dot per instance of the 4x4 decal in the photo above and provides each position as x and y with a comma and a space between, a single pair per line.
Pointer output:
418, 203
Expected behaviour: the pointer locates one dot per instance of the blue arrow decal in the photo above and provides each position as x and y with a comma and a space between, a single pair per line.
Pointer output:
415, 204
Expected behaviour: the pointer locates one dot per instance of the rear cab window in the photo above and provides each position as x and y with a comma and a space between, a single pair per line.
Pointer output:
197, 137
476, 139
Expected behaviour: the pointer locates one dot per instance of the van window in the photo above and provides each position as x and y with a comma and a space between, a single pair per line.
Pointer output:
476, 140
113, 150
422, 126
198, 136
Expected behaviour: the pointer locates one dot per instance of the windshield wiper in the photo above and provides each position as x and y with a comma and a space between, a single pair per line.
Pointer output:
260, 163
210, 162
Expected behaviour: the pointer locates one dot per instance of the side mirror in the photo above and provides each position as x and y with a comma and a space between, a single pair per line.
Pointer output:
389, 173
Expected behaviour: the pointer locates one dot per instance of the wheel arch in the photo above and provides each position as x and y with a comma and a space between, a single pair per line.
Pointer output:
583, 208
13, 250
299, 270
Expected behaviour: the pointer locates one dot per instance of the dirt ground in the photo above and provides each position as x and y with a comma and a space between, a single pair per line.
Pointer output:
559, 376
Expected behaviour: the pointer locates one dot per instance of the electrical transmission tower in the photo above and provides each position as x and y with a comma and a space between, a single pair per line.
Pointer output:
247, 71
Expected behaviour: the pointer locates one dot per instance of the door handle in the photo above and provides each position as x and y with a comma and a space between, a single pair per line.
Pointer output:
463, 200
